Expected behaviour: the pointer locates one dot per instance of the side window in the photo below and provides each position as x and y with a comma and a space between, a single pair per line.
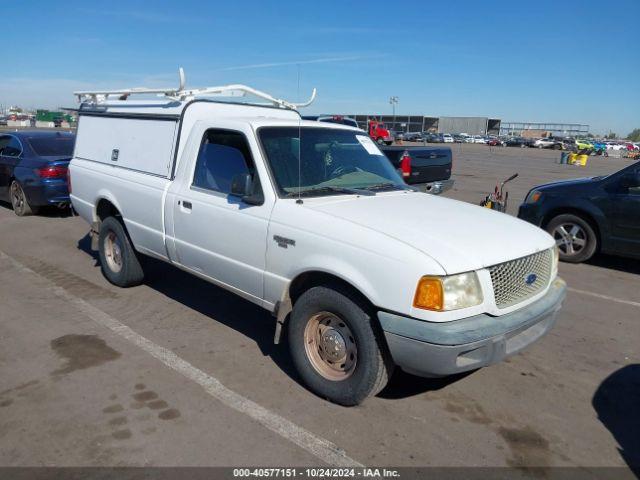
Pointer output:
223, 155
13, 148
635, 189
4, 141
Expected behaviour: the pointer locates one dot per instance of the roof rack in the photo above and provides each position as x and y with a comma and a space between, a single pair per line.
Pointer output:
101, 96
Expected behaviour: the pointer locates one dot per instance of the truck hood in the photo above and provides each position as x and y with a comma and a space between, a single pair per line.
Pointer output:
458, 235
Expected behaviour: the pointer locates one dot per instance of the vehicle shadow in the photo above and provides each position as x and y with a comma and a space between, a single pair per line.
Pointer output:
214, 302
622, 264
251, 321
404, 385
617, 403
48, 212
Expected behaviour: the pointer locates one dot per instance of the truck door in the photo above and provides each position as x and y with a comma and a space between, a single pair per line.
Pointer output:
216, 234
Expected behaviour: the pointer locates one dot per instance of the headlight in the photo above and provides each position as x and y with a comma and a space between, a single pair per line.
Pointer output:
448, 293
533, 196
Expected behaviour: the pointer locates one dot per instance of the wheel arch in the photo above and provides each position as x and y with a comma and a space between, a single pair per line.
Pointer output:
587, 216
106, 206
308, 279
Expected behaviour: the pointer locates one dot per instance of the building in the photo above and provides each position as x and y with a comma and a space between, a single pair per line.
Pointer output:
533, 129
473, 125
421, 123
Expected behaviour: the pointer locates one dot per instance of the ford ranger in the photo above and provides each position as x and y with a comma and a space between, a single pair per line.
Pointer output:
311, 222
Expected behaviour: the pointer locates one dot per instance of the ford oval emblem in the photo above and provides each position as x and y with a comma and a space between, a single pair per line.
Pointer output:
531, 278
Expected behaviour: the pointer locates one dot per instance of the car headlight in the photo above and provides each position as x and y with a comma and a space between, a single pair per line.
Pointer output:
448, 293
533, 196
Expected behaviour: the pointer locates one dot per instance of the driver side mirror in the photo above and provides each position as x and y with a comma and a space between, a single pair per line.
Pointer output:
242, 185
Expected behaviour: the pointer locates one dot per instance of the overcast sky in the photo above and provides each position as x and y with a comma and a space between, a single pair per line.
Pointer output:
544, 61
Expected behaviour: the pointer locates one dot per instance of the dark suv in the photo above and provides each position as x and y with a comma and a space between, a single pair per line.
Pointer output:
590, 214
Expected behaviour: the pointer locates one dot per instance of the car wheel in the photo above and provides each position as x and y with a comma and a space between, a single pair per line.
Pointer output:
336, 348
118, 260
380, 141
574, 236
19, 201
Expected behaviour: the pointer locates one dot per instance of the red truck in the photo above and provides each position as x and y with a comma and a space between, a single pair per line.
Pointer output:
379, 132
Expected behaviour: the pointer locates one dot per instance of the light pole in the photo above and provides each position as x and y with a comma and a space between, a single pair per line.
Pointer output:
394, 101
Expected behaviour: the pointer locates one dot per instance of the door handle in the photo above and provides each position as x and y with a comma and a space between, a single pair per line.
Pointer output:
186, 204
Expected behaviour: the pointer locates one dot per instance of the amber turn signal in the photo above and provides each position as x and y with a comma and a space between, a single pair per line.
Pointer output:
429, 294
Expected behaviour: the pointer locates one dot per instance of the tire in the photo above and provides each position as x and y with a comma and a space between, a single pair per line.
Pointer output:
118, 260
575, 237
380, 141
329, 316
19, 201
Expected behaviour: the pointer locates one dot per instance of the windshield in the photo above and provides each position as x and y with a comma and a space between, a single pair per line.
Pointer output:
333, 161
52, 146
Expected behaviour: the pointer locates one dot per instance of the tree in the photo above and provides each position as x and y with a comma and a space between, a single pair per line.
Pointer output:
612, 135
634, 136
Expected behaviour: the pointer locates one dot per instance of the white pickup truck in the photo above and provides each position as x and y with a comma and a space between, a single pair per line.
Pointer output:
311, 222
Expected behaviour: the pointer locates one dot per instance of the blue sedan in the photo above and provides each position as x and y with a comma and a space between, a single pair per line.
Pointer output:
33, 169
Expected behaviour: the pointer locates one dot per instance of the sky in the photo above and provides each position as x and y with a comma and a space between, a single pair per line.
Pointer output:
543, 61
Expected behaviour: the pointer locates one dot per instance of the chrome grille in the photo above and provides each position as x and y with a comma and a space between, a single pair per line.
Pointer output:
510, 279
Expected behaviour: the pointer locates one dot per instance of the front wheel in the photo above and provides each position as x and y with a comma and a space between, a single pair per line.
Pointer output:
118, 260
380, 141
336, 347
574, 236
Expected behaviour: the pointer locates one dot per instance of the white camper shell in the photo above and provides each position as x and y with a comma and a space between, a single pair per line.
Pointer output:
310, 221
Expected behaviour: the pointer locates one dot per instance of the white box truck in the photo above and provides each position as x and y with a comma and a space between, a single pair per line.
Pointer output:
310, 221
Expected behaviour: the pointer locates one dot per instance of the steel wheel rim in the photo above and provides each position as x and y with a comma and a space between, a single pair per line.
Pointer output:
330, 346
570, 238
17, 197
113, 252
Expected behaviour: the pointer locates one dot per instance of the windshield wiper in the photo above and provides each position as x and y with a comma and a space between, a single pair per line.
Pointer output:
332, 189
385, 186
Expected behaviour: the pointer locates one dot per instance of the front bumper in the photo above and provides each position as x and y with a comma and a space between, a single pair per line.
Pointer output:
532, 213
431, 349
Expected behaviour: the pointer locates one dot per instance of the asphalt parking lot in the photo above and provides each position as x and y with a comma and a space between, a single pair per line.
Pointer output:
179, 372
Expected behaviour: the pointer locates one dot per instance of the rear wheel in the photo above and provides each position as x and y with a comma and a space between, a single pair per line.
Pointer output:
118, 260
335, 346
19, 201
574, 236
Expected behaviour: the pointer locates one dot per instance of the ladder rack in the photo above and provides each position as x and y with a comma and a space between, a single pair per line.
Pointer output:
101, 96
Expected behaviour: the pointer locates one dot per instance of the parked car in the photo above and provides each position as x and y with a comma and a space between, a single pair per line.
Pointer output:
583, 146
518, 142
426, 168
310, 221
446, 138
434, 138
397, 136
413, 136
458, 138
33, 169
589, 214
548, 142
478, 139
496, 142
